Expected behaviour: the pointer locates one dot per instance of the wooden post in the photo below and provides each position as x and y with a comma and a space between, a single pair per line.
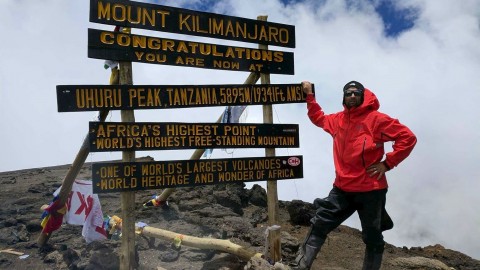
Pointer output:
71, 175
127, 251
197, 154
272, 195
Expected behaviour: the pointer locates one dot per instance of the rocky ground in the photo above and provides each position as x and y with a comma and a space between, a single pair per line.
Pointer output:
225, 211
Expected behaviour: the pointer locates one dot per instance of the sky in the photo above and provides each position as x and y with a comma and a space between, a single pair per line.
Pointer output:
421, 58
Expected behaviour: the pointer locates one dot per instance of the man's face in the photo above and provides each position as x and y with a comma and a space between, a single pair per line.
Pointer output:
353, 97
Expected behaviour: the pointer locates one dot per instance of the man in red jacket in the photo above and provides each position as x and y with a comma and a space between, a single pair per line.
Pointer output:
359, 133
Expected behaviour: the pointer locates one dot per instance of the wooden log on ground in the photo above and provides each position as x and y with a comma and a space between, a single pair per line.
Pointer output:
201, 243
11, 251
191, 241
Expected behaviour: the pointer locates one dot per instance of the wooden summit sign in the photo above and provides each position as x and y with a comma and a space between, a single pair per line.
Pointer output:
73, 98
127, 176
121, 46
183, 21
114, 136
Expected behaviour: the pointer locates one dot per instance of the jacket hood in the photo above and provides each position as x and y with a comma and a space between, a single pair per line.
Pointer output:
370, 102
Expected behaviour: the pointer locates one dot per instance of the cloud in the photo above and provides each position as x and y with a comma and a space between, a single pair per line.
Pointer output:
427, 77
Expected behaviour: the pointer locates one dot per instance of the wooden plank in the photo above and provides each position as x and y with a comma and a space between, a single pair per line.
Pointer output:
189, 22
114, 136
73, 98
163, 51
127, 176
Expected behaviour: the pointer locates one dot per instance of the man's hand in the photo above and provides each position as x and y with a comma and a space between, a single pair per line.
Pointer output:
378, 168
307, 87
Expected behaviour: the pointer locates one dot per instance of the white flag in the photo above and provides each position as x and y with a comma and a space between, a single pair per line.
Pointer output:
84, 208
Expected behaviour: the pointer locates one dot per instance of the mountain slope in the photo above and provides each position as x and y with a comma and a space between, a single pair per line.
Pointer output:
224, 211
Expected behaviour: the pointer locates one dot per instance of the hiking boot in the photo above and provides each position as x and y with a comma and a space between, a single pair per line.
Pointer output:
308, 252
373, 258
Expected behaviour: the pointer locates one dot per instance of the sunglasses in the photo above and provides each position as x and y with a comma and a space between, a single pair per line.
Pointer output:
349, 93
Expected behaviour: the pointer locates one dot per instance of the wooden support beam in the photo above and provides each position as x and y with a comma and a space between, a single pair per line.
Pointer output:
272, 195
71, 176
127, 250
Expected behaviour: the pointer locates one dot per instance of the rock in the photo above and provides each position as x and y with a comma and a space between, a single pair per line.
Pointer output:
290, 245
8, 236
198, 255
70, 256
169, 255
33, 226
103, 258
280, 266
24, 201
229, 200
5, 263
258, 264
145, 243
34, 190
257, 215
53, 257
258, 196
214, 211
420, 263
61, 261
300, 212
22, 233
240, 227
9, 222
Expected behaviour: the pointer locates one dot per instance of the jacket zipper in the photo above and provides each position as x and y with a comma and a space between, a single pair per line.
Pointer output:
363, 151
346, 134
344, 142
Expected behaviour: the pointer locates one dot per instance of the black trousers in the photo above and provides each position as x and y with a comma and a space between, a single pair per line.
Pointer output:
340, 205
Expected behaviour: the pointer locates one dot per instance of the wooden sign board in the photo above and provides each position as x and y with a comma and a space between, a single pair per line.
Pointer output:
118, 136
154, 50
183, 21
73, 98
118, 177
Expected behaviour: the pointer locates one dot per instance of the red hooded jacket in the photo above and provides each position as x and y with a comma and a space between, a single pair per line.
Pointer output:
358, 138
